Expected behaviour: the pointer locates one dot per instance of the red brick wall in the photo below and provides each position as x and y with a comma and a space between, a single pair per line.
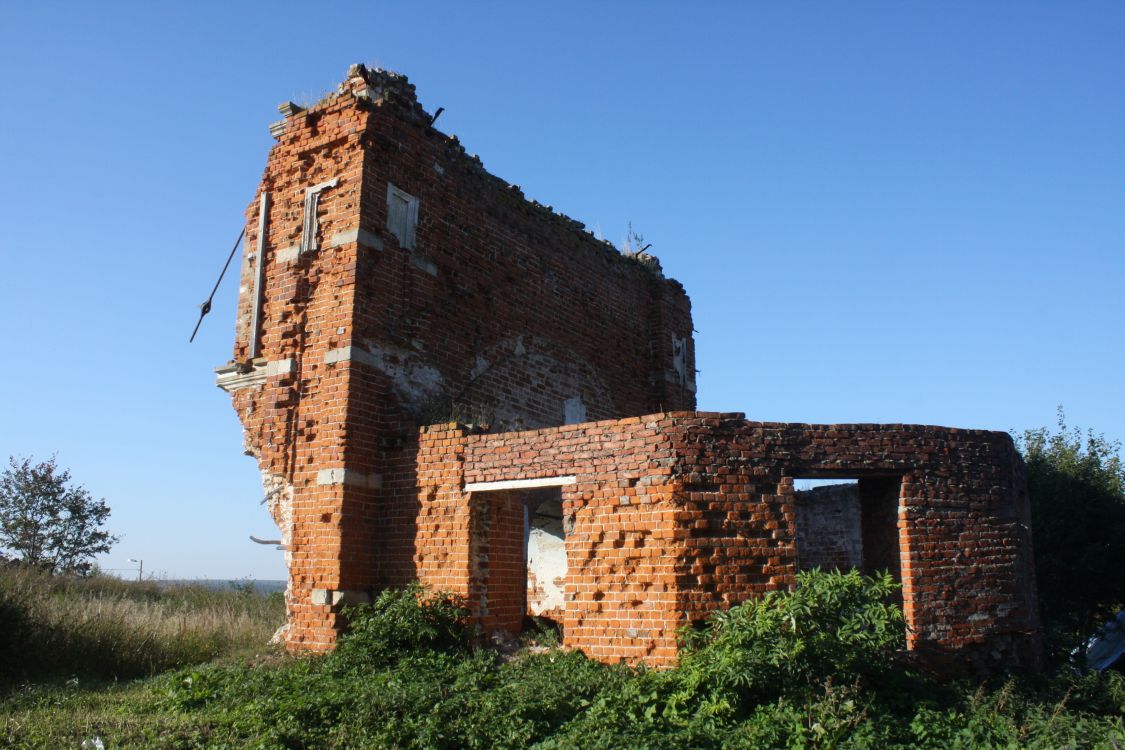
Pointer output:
963, 543
295, 421
491, 316
674, 515
829, 534
620, 585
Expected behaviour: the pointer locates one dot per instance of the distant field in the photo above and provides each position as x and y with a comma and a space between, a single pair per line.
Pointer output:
261, 587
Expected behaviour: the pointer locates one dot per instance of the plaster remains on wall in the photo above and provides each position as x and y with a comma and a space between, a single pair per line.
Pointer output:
543, 385
546, 558
279, 503
679, 362
414, 382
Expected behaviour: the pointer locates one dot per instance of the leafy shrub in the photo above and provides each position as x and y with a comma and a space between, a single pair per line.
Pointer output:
1076, 485
840, 627
401, 621
764, 670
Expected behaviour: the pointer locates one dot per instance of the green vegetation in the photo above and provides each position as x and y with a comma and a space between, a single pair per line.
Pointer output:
812, 668
818, 667
1077, 489
55, 627
48, 523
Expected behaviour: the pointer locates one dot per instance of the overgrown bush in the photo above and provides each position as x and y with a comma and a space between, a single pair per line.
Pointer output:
1076, 483
760, 667
399, 622
833, 626
812, 668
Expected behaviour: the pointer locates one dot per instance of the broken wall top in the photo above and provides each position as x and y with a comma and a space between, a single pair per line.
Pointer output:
393, 93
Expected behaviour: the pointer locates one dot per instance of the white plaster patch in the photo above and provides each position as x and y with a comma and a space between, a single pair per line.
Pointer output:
360, 236
349, 477
335, 598
422, 264
414, 382
279, 367
546, 559
402, 216
311, 227
343, 238
287, 254
520, 484
479, 368
679, 358
279, 503
574, 411
231, 377
340, 354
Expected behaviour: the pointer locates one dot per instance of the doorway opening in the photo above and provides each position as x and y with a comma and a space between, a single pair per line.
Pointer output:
546, 555
518, 558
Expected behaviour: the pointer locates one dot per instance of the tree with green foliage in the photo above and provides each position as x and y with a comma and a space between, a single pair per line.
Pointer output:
47, 522
1076, 484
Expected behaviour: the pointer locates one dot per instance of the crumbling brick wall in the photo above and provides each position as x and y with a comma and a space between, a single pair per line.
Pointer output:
944, 509
671, 516
829, 535
352, 330
390, 283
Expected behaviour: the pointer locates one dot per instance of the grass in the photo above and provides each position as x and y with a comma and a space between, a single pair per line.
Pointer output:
56, 628
812, 668
120, 714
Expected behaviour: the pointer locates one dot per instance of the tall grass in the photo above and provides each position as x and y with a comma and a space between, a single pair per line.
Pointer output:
60, 626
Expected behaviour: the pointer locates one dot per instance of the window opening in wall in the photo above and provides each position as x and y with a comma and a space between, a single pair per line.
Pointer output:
848, 522
402, 216
829, 534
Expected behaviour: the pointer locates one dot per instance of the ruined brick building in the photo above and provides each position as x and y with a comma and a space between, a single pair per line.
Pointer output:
395, 297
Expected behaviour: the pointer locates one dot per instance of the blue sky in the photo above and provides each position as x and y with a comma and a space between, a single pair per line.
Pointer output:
897, 212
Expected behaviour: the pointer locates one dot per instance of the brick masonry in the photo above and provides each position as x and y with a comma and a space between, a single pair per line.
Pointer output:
391, 283
829, 530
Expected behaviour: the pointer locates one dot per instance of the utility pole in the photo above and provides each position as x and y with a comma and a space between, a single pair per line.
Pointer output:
140, 570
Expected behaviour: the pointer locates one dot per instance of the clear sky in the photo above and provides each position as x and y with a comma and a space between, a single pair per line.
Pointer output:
896, 212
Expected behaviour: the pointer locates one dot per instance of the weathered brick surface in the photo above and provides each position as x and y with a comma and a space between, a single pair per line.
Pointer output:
829, 532
502, 311
489, 314
675, 515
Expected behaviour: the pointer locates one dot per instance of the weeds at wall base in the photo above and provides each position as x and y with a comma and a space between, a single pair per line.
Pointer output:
412, 678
